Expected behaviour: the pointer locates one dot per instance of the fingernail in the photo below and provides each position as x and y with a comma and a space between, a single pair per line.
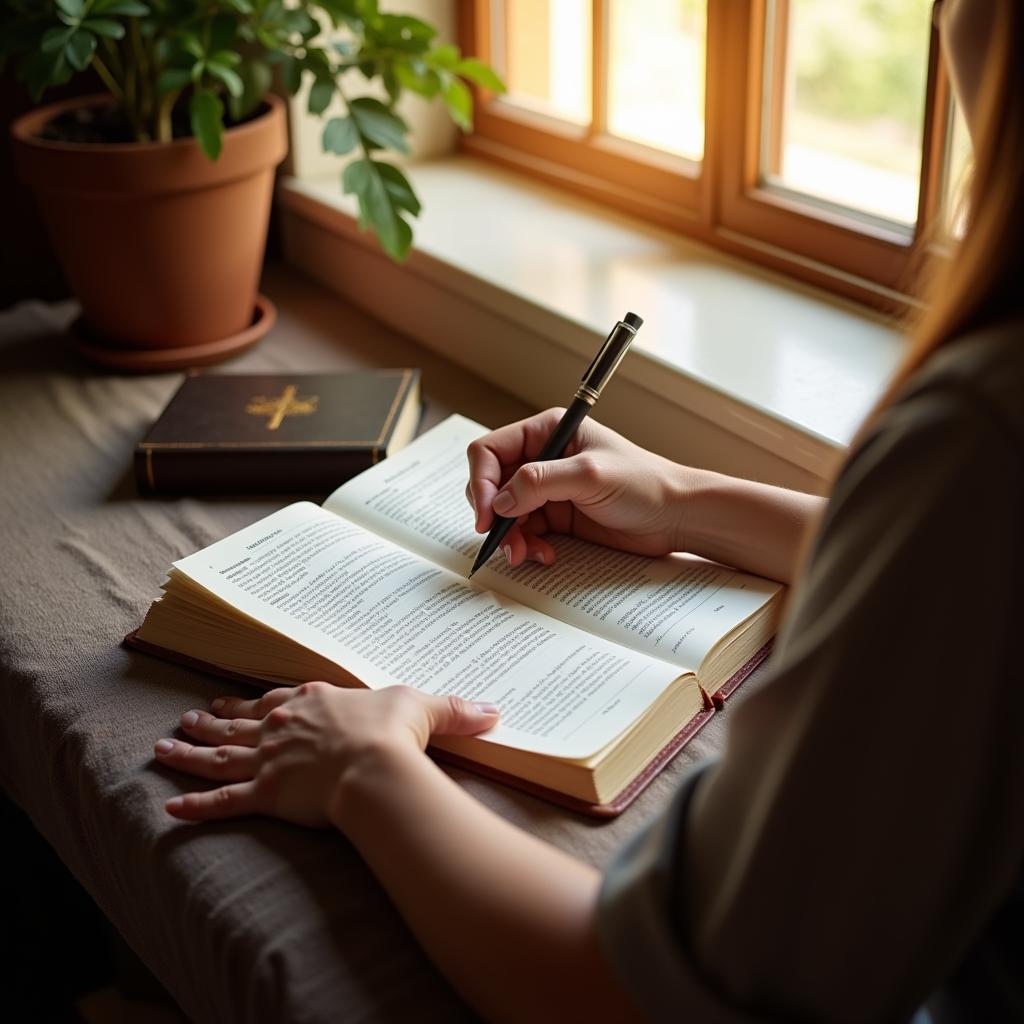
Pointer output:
507, 551
503, 503
174, 804
486, 709
538, 556
164, 746
189, 719
218, 704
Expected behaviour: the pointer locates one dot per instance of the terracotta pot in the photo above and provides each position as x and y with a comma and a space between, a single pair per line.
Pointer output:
162, 246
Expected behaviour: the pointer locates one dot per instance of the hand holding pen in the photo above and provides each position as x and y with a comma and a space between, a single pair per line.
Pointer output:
538, 442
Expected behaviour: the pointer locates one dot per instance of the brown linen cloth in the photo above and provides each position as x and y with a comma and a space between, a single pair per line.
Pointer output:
252, 920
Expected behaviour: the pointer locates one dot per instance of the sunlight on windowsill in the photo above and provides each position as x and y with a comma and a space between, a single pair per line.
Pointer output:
783, 350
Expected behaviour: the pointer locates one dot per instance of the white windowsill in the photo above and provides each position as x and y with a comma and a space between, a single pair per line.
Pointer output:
781, 366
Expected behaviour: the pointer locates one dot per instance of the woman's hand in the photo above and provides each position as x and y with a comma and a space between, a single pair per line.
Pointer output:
284, 754
605, 489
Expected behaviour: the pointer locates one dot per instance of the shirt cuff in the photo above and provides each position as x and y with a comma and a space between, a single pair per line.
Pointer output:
636, 928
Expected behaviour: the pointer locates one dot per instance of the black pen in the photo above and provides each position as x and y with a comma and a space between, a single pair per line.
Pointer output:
591, 384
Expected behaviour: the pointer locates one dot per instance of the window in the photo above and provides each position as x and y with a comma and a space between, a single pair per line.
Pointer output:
958, 161
813, 136
844, 103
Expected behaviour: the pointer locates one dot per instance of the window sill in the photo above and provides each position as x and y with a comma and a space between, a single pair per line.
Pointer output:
735, 368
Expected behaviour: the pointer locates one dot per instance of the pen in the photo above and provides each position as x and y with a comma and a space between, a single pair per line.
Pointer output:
608, 357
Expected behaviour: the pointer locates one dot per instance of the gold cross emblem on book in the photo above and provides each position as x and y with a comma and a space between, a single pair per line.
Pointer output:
285, 404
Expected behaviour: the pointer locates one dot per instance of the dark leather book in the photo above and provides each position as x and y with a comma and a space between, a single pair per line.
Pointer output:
269, 433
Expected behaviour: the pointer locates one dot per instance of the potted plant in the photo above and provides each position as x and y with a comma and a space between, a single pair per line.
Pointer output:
157, 193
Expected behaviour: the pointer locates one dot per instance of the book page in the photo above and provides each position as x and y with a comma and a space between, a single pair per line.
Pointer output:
675, 608
389, 617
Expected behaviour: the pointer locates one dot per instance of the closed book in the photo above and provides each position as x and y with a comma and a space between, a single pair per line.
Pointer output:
270, 433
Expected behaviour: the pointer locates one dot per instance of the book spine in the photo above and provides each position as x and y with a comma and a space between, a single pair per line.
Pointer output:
728, 688
247, 471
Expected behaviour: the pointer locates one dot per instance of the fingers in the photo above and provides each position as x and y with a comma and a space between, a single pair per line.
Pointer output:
521, 544
226, 802
576, 479
492, 456
453, 716
225, 763
209, 729
238, 707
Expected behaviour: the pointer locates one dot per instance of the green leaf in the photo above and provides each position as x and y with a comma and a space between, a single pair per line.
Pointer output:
377, 208
367, 9
72, 8
391, 84
291, 75
298, 21
399, 189
378, 124
478, 72
173, 79
242, 6
459, 102
206, 112
340, 136
190, 44
80, 48
402, 32
320, 95
128, 8
337, 10
268, 38
55, 38
231, 79
38, 70
418, 78
317, 61
444, 56
105, 27
257, 80
228, 58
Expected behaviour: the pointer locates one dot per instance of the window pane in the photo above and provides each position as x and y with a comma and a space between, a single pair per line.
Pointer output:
845, 101
543, 47
957, 172
656, 73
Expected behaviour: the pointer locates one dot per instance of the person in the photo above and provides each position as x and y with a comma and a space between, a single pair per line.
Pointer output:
856, 853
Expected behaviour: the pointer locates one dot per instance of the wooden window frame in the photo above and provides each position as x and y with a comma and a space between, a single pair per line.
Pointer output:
723, 200
668, 189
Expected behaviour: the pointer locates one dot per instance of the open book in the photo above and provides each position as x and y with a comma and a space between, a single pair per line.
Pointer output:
602, 664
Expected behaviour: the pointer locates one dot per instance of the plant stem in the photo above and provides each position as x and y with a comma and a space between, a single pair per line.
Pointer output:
164, 130
155, 69
107, 78
142, 64
113, 57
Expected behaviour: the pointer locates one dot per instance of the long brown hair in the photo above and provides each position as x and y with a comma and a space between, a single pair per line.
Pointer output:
982, 284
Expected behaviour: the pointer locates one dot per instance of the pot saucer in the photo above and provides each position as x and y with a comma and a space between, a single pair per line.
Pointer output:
160, 360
